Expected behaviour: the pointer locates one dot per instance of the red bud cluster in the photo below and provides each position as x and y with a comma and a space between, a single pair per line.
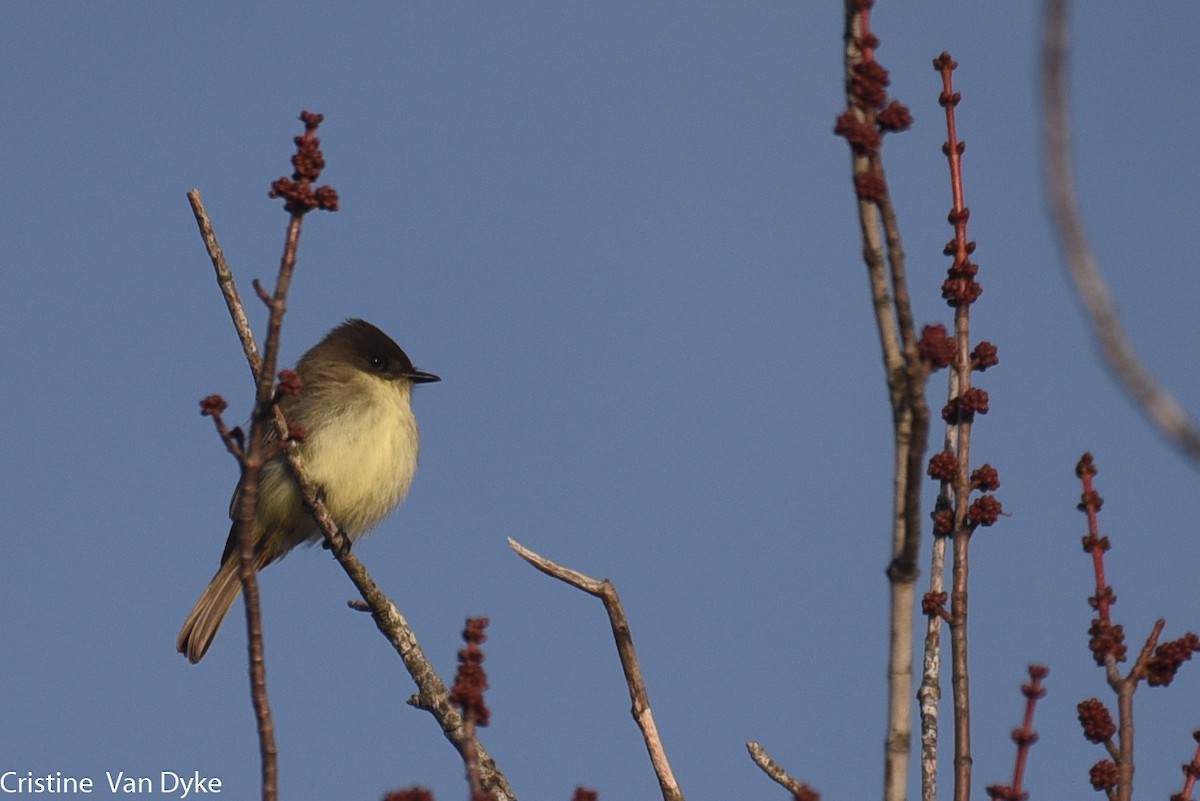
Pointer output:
298, 192
1168, 657
1104, 775
963, 408
805, 793
986, 478
471, 679
872, 113
984, 511
936, 347
1106, 639
1097, 722
290, 383
213, 406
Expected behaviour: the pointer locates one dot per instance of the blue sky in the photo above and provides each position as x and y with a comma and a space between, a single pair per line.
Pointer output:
624, 235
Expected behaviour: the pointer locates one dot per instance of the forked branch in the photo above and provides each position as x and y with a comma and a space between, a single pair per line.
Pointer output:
607, 593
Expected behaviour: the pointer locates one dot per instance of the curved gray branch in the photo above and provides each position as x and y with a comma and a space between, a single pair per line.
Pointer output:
1154, 401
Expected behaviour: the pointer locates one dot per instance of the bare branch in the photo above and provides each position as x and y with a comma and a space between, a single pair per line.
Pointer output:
1154, 401
606, 592
251, 461
775, 771
225, 281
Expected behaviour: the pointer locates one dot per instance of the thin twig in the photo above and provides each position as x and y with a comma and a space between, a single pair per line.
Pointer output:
960, 487
264, 410
959, 675
1024, 737
226, 283
961, 290
607, 593
1125, 689
250, 460
775, 771
1154, 401
471, 758
244, 529
251, 463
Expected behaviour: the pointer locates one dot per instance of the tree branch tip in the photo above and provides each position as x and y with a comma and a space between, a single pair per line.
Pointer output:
532, 557
776, 773
565, 574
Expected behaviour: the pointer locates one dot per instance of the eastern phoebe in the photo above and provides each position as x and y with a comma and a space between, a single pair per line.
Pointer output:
360, 448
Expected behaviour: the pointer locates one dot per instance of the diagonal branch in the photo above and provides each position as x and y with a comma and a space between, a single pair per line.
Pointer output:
607, 593
432, 695
225, 281
799, 790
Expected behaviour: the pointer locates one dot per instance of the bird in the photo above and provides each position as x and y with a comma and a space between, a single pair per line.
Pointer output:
359, 446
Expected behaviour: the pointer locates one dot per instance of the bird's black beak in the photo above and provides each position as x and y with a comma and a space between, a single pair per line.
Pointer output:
418, 377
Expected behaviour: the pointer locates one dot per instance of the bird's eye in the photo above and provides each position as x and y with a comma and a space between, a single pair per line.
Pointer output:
379, 362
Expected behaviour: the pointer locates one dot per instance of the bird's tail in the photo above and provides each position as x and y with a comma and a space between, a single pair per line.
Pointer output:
202, 624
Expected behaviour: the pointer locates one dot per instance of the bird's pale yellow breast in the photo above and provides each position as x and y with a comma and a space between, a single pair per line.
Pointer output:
365, 457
